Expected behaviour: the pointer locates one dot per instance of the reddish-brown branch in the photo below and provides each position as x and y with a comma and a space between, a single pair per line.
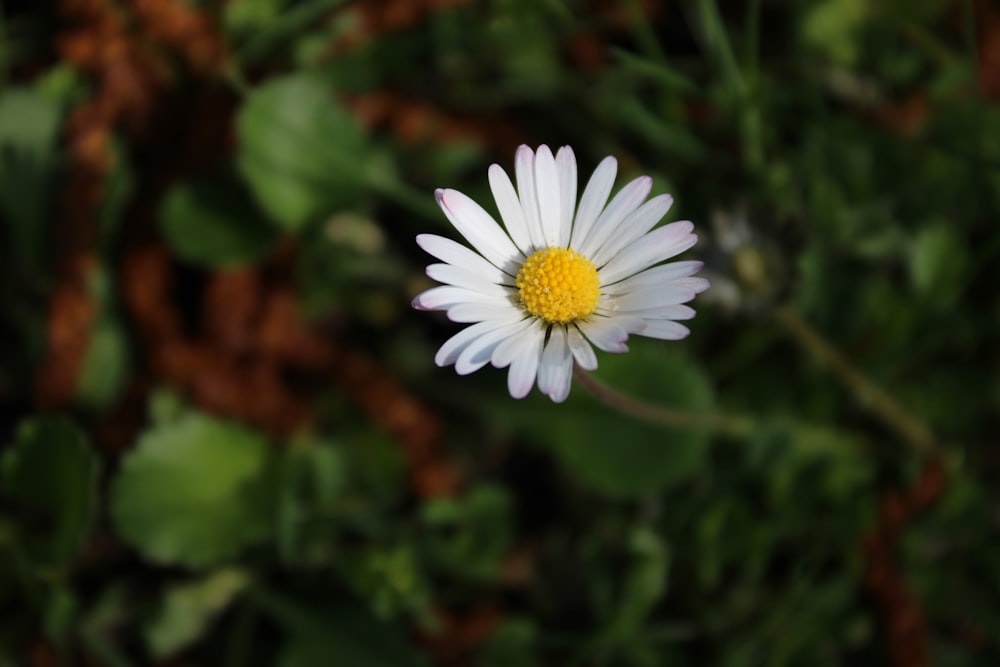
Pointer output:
904, 619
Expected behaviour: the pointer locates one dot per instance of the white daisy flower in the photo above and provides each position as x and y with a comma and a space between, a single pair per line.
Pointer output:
557, 279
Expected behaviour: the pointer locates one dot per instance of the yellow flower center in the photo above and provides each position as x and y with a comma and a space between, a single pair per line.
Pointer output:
559, 285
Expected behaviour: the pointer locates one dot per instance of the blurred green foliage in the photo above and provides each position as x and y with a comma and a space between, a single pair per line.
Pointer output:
839, 157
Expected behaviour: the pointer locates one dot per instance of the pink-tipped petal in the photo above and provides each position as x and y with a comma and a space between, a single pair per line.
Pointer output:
582, 351
658, 275
623, 204
595, 196
442, 298
524, 367
524, 172
547, 190
510, 208
566, 166
605, 335
665, 330
555, 371
479, 229
456, 254
632, 227
657, 246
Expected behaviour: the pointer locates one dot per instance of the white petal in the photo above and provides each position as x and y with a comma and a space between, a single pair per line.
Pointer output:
665, 330
455, 253
582, 351
566, 166
595, 196
694, 283
658, 275
477, 353
524, 367
449, 274
510, 348
524, 171
448, 353
555, 371
651, 297
626, 201
480, 229
510, 207
442, 298
635, 225
547, 189
478, 312
658, 245
677, 311
630, 323
605, 334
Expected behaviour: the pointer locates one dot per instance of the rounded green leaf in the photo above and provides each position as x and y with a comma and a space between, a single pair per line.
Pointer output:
188, 609
214, 222
611, 452
300, 152
345, 636
195, 491
105, 366
29, 161
939, 261
49, 478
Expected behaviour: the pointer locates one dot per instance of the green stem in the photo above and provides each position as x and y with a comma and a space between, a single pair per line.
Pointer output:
891, 413
416, 201
644, 34
654, 414
5, 49
753, 38
718, 43
289, 24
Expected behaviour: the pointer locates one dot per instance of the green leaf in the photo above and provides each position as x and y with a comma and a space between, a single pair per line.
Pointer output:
49, 477
939, 261
513, 643
343, 636
273, 25
642, 588
189, 608
616, 454
390, 578
353, 639
834, 28
105, 365
195, 491
301, 153
215, 222
469, 535
29, 129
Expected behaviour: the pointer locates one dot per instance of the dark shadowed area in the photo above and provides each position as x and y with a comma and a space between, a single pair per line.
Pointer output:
224, 439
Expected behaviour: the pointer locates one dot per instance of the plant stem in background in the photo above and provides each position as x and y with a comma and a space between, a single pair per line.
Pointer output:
751, 124
717, 42
909, 428
644, 35
655, 414
5, 50
287, 27
417, 201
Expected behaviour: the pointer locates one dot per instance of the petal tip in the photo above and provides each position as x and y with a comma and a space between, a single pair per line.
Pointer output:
518, 393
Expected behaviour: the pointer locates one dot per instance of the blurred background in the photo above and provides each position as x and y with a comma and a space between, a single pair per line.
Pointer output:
224, 440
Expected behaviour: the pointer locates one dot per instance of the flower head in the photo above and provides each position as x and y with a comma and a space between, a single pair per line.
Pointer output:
558, 278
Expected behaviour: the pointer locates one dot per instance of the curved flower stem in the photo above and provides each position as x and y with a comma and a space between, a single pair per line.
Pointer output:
655, 414
909, 428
